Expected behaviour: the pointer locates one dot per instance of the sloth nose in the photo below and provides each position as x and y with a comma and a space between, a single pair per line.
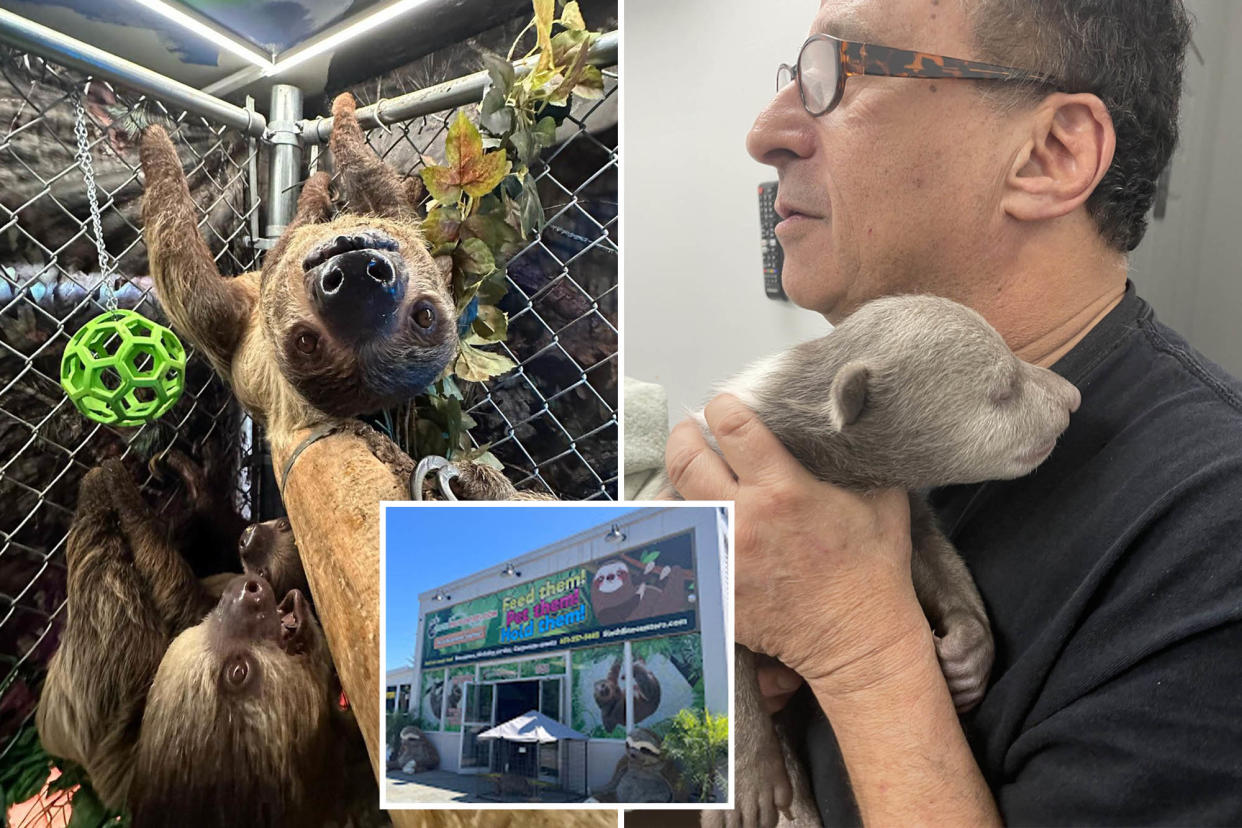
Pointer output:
1075, 399
357, 294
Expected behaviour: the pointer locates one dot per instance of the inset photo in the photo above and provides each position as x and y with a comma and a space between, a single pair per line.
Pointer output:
556, 653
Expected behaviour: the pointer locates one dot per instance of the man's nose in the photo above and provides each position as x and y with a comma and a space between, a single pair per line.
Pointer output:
783, 130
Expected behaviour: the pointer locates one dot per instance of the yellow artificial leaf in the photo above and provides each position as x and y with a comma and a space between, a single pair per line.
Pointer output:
476, 365
545, 12
571, 17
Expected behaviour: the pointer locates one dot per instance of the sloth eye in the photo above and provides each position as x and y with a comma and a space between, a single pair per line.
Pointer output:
424, 316
307, 342
237, 673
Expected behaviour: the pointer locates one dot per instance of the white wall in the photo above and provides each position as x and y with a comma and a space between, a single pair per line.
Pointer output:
696, 74
1189, 265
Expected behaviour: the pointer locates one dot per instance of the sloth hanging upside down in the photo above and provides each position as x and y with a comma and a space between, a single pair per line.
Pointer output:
186, 707
348, 316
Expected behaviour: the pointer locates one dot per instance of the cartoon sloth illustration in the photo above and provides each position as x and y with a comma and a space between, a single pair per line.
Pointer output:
617, 598
614, 595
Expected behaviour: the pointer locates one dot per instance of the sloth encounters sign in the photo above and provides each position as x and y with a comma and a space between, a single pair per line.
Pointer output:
638, 593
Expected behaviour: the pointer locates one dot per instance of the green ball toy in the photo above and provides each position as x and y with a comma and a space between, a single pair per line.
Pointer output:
123, 369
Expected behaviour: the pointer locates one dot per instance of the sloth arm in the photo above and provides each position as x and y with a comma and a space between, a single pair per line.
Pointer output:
370, 185
208, 309
176, 594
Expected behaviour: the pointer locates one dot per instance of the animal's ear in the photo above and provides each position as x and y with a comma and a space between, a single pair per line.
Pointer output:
370, 185
848, 395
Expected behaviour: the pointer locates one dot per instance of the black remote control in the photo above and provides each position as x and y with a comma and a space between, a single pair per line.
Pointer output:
773, 255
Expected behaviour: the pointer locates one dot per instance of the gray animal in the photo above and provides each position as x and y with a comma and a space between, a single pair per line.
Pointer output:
909, 392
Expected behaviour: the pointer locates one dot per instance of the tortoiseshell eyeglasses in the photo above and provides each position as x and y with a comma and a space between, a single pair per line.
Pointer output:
824, 62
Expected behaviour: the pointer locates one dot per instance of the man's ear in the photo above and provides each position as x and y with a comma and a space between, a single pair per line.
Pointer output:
848, 395
1068, 149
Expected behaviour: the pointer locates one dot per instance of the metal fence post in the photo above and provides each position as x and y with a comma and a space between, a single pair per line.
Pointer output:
286, 157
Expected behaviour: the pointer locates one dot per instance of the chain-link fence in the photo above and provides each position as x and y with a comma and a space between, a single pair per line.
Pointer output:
552, 421
50, 285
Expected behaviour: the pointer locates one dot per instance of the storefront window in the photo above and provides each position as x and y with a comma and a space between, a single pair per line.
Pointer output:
391, 698
550, 698
403, 698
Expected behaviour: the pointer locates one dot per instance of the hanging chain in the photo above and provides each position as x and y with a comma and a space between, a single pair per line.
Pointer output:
106, 262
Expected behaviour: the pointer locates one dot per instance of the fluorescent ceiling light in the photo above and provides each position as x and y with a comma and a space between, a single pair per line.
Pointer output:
229, 44
301, 54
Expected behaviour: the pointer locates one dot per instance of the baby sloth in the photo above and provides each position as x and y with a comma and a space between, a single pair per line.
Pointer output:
348, 316
199, 702
909, 392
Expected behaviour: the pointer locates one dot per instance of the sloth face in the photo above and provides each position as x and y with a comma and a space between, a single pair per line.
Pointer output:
269, 551
611, 577
360, 316
248, 695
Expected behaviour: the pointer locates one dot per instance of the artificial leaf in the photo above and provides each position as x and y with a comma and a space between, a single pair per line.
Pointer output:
442, 183
545, 131
469, 168
545, 11
492, 231
591, 84
494, 115
472, 256
476, 365
442, 225
565, 46
87, 809
531, 208
499, 70
650, 556
571, 16
482, 456
492, 289
574, 73
492, 324
524, 142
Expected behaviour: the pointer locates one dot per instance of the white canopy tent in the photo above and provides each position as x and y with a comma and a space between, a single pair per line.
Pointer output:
533, 727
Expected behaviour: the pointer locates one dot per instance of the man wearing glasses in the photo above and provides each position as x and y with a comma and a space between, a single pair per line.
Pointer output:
1015, 178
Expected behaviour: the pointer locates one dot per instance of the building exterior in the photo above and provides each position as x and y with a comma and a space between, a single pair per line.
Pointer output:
617, 627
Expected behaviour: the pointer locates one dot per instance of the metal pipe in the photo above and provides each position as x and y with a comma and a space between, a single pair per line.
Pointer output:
458, 92
286, 164
60, 48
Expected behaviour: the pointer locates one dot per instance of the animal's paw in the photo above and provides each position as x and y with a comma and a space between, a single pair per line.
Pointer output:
761, 790
343, 105
965, 651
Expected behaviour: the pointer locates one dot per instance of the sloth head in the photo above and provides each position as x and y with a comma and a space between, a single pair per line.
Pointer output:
239, 724
358, 314
268, 550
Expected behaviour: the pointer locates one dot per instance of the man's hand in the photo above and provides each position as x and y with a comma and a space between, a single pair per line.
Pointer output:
823, 583
822, 574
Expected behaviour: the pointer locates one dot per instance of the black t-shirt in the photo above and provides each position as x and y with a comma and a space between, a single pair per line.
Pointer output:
1113, 578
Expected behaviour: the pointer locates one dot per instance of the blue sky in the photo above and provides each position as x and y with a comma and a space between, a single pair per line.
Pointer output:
428, 547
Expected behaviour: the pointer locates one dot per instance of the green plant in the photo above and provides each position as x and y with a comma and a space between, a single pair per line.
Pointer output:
397, 722
485, 206
699, 743
26, 769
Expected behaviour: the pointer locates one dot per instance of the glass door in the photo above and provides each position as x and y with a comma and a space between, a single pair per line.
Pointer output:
550, 706
478, 717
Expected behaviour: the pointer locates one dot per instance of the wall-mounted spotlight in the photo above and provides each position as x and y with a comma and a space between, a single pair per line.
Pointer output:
442, 596
510, 571
615, 535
